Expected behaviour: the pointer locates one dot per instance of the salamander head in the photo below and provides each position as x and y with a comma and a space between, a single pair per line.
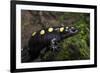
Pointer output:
68, 31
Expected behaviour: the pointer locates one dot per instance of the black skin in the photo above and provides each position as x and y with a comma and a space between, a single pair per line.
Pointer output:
39, 42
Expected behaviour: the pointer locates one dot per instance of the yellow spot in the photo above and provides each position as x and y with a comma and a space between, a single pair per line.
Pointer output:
42, 32
61, 29
50, 29
66, 27
72, 27
33, 33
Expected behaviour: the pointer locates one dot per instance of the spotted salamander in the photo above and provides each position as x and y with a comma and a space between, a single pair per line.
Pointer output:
48, 38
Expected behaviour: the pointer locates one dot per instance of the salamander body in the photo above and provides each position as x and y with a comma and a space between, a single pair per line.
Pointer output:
47, 38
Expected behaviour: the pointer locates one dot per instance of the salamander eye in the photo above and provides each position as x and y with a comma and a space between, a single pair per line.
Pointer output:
50, 29
33, 34
61, 29
42, 32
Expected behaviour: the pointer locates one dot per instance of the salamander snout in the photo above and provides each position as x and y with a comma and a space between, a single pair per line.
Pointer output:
73, 30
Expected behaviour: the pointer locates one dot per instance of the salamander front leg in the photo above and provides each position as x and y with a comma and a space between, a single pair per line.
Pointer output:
54, 45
